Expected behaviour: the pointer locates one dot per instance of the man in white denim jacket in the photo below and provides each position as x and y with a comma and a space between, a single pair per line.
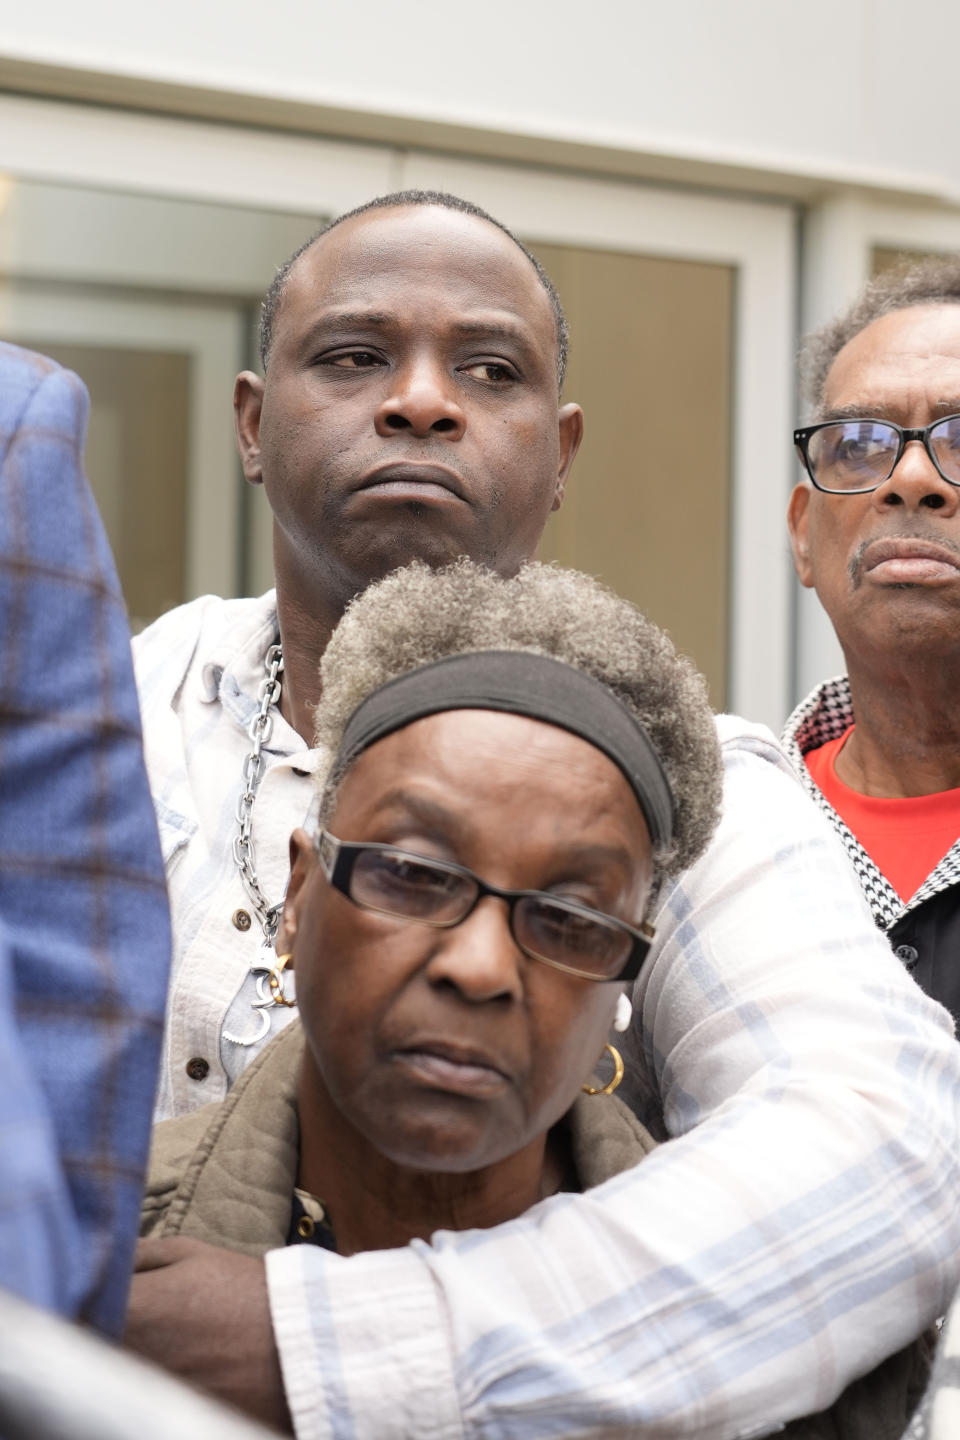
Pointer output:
801, 1225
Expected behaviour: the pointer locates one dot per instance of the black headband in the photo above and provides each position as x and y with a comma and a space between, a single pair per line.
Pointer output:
521, 683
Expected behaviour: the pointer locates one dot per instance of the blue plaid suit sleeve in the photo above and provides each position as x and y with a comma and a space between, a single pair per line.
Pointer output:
38, 1236
82, 895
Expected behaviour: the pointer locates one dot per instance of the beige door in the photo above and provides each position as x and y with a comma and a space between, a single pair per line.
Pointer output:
648, 506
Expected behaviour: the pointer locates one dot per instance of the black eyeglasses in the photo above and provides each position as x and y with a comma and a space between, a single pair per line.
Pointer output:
559, 932
850, 457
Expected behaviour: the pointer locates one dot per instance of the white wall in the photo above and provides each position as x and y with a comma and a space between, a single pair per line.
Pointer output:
857, 90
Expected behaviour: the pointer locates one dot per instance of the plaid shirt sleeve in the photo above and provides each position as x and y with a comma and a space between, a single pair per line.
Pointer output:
800, 1224
82, 897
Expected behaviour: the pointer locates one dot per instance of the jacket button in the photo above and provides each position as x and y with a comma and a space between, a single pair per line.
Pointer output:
909, 954
197, 1068
241, 919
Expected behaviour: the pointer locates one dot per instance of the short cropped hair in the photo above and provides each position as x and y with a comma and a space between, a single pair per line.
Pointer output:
935, 281
417, 615
270, 307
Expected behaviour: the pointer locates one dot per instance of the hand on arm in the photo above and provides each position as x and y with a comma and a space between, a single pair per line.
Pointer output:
202, 1313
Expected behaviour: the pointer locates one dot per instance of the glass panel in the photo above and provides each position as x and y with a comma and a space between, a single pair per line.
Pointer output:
648, 506
153, 301
136, 458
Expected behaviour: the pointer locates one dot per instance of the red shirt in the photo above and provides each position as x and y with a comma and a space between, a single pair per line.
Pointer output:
905, 838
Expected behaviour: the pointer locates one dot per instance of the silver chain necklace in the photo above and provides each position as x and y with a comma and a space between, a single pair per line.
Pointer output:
268, 915
261, 728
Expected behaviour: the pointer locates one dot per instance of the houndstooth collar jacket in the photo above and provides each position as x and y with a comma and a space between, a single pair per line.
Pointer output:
824, 715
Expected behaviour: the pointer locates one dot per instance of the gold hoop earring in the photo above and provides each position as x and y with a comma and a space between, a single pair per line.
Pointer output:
276, 982
611, 1085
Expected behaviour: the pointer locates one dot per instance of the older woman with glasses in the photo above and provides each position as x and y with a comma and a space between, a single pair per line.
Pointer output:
519, 766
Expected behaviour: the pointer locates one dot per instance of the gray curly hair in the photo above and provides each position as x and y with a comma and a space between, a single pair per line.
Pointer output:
418, 615
935, 281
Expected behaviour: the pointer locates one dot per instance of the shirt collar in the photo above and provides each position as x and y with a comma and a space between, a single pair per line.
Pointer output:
241, 651
826, 714
237, 667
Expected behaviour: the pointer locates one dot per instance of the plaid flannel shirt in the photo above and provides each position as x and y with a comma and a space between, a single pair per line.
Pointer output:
82, 898
800, 1225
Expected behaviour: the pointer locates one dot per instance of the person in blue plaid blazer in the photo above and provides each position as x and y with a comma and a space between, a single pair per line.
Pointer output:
84, 926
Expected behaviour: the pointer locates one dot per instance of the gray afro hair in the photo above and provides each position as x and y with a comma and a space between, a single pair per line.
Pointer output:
935, 281
418, 615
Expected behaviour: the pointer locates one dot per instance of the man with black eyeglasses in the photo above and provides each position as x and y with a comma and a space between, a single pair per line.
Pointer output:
876, 531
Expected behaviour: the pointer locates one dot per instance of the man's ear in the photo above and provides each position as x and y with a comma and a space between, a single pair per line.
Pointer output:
571, 433
303, 859
247, 403
798, 515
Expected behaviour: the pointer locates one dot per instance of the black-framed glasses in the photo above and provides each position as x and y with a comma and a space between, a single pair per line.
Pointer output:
850, 457
559, 932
